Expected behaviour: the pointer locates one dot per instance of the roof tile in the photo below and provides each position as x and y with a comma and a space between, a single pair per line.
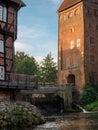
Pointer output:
67, 3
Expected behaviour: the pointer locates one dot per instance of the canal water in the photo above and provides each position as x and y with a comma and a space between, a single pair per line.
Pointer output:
72, 121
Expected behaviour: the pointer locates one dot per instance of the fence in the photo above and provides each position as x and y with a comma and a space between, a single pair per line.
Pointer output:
20, 81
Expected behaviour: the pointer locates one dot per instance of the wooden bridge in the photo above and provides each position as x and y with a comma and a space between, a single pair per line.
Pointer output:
17, 85
19, 81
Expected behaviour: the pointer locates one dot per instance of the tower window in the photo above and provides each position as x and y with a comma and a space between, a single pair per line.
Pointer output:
71, 44
78, 42
1, 46
96, 27
78, 61
77, 11
71, 63
64, 64
71, 30
96, 12
92, 40
70, 15
92, 59
3, 13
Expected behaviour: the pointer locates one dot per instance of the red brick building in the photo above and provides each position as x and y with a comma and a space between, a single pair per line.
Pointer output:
78, 42
8, 34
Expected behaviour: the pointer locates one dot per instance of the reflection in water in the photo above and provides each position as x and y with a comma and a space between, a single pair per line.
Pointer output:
76, 121
81, 122
73, 121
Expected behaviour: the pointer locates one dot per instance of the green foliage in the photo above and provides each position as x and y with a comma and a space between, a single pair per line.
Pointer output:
48, 70
92, 106
20, 114
25, 64
90, 91
89, 94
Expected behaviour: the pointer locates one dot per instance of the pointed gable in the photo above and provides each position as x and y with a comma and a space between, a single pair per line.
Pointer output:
67, 4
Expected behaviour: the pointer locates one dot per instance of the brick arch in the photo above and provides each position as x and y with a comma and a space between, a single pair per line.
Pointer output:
71, 78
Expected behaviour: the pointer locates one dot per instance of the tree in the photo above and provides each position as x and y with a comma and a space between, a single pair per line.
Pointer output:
48, 70
25, 64
19, 57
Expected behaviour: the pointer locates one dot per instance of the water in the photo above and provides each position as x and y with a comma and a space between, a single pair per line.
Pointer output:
72, 121
81, 108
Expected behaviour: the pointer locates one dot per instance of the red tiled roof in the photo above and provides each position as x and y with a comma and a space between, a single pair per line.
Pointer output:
21, 3
67, 3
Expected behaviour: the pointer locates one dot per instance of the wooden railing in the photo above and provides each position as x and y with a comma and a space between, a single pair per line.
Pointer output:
20, 81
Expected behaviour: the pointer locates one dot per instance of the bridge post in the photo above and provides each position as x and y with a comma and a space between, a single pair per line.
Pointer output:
66, 94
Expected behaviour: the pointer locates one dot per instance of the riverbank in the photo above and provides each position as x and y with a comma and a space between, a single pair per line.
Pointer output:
22, 114
92, 106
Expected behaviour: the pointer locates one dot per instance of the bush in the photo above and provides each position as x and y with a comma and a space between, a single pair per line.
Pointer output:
20, 114
89, 94
92, 106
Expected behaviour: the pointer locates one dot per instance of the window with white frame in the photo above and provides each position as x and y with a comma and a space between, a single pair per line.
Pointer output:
78, 42
2, 73
1, 46
71, 44
3, 13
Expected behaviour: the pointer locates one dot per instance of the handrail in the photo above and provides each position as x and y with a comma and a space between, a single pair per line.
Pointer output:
20, 80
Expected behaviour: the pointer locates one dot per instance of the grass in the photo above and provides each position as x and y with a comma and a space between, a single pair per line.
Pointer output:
92, 106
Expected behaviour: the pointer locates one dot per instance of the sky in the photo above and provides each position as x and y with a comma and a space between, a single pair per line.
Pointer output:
38, 28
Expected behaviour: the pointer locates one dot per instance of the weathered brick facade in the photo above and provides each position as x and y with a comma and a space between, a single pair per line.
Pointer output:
78, 42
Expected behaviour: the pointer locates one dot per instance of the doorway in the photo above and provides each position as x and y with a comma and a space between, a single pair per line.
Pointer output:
71, 79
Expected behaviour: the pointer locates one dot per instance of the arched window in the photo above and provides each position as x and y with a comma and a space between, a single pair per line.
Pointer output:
77, 11
3, 13
70, 15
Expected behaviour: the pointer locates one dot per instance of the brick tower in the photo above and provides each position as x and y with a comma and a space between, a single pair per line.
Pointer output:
78, 42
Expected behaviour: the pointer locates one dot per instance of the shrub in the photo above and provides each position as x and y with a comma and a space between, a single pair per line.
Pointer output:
92, 106
89, 94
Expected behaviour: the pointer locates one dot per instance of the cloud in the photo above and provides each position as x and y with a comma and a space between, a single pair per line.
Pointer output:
29, 32
57, 1
39, 58
30, 50
23, 47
